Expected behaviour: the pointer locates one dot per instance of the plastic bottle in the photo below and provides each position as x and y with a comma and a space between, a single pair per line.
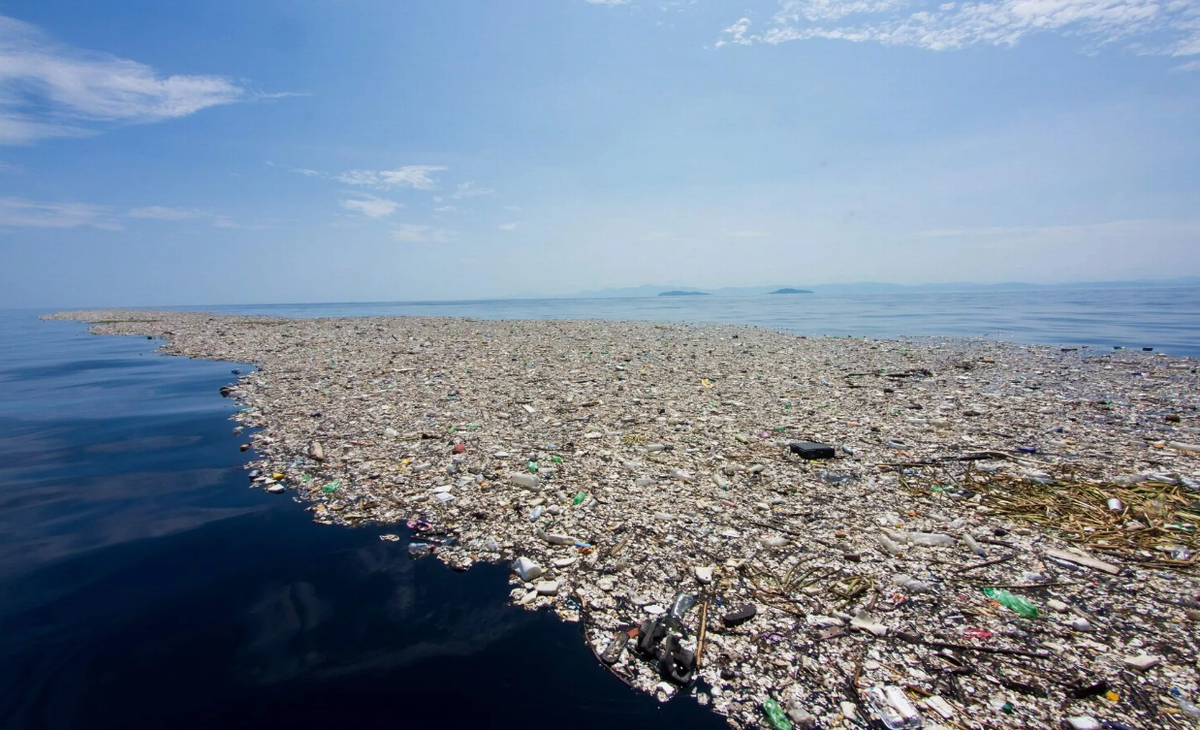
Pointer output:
680, 606
884, 704
775, 716
889, 545
528, 481
1188, 708
578, 500
974, 546
1016, 603
930, 539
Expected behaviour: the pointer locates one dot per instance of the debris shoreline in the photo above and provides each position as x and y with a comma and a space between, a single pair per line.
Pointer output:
824, 531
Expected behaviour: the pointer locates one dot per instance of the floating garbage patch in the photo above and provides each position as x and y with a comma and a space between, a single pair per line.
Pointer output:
797, 532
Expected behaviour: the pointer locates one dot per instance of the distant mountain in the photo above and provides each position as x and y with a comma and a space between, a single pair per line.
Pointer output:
866, 287
785, 290
684, 294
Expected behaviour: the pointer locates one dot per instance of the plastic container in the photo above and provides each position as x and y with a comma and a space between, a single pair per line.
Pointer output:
526, 569
1016, 603
528, 481
974, 546
930, 539
775, 717
892, 547
680, 606
893, 708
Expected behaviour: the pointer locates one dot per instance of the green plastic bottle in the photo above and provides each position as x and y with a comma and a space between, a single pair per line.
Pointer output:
775, 716
578, 499
1016, 603
533, 467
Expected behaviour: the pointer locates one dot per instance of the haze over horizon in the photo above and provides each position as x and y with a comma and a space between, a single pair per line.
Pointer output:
362, 150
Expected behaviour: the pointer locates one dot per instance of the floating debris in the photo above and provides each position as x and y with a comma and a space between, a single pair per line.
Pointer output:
841, 581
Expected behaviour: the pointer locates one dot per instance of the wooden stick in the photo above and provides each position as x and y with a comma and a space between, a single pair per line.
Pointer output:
984, 564
703, 627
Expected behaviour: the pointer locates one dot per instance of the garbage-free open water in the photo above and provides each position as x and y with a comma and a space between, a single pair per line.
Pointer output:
142, 584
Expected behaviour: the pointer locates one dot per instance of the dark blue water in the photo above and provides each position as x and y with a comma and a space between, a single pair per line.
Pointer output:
1164, 318
143, 585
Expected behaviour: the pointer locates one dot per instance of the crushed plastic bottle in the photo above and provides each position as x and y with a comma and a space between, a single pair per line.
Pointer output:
578, 500
680, 606
1016, 603
893, 708
775, 717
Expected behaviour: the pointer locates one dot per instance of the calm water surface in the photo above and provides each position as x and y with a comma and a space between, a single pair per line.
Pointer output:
1162, 318
142, 584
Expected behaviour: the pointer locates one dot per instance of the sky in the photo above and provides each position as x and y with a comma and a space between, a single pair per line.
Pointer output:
226, 151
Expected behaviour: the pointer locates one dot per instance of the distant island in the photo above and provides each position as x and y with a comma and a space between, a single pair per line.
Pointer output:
791, 291
685, 294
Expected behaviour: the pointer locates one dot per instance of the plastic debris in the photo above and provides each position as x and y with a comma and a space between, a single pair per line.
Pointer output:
810, 559
775, 716
1016, 603
810, 450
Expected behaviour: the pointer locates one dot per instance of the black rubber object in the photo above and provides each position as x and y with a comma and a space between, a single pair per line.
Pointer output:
811, 450
741, 615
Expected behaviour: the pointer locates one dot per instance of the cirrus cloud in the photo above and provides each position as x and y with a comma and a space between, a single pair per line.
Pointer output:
418, 233
48, 89
22, 213
1164, 27
417, 177
471, 190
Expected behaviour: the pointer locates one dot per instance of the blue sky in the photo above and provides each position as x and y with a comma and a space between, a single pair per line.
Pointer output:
357, 150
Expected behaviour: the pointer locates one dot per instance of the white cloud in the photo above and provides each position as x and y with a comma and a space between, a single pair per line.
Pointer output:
737, 34
1168, 27
21, 213
165, 213
1189, 66
609, 2
415, 233
371, 206
515, 208
445, 209
161, 213
470, 190
406, 176
508, 226
1127, 230
52, 90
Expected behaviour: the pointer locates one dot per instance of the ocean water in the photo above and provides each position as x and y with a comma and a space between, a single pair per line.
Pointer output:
1164, 318
142, 584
